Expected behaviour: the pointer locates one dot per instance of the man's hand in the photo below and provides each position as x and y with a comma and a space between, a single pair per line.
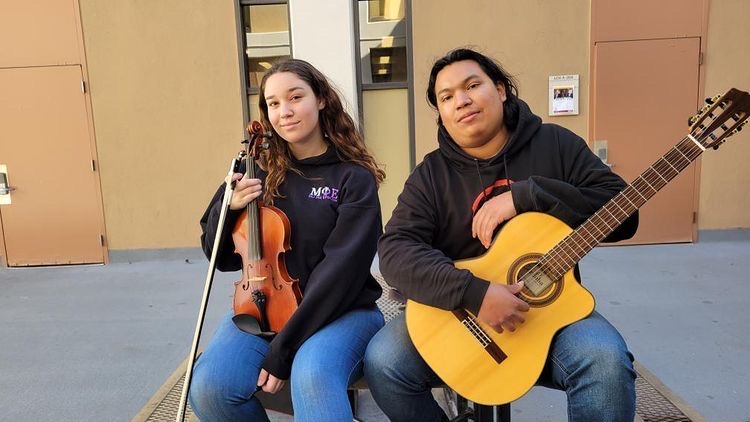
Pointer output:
501, 309
490, 215
269, 383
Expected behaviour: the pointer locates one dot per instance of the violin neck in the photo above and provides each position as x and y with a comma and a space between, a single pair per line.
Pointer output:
254, 251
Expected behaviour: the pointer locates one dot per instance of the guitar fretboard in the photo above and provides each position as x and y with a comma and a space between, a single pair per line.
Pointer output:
254, 252
564, 256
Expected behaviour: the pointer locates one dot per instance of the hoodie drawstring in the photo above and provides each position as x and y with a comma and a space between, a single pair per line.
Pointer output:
481, 182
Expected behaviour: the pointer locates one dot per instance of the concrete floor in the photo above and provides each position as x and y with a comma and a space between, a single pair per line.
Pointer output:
94, 343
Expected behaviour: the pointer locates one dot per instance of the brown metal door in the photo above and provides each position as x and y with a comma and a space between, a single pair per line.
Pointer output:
644, 92
56, 215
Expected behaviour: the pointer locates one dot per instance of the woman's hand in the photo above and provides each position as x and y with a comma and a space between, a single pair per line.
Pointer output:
490, 215
245, 191
269, 383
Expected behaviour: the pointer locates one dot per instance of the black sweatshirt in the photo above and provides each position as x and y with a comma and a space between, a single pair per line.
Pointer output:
548, 169
334, 212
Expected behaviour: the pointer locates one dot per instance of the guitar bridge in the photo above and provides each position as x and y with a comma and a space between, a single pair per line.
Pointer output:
480, 335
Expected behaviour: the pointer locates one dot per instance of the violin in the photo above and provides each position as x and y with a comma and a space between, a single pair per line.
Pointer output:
266, 296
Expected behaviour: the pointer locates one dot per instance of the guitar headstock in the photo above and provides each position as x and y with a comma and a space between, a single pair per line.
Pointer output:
722, 117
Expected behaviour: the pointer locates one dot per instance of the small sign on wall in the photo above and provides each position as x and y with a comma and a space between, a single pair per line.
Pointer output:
563, 95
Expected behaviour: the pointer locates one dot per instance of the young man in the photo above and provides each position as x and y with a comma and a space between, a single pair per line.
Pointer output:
495, 159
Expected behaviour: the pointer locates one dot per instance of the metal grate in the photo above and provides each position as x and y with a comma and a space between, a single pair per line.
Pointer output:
167, 408
652, 406
654, 401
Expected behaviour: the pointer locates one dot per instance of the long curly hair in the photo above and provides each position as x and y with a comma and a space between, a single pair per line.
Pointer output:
335, 123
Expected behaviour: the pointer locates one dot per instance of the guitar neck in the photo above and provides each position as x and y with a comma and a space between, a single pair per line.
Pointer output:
564, 256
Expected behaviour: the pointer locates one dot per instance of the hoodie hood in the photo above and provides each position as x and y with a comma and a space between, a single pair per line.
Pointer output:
528, 125
330, 156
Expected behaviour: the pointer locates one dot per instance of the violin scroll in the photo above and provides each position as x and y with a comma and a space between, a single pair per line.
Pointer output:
258, 139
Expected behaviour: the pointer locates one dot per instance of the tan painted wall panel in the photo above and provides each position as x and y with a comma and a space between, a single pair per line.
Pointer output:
725, 175
165, 88
531, 39
617, 20
386, 115
40, 33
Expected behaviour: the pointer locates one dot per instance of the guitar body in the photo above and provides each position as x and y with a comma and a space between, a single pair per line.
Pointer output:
456, 355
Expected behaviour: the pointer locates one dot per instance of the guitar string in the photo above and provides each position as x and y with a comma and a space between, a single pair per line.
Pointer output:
477, 332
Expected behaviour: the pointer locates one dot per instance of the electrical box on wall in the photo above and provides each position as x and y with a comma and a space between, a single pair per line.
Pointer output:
563, 95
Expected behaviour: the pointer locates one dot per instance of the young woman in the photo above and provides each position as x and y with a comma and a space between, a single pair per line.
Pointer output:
320, 174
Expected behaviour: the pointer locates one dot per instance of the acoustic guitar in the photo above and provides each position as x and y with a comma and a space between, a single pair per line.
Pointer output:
493, 368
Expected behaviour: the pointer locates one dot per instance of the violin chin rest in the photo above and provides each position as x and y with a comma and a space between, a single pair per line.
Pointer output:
251, 325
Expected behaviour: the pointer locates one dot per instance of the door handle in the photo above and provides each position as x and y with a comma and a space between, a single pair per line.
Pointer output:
4, 188
5, 191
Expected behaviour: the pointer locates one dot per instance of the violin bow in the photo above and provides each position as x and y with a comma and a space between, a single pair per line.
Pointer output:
207, 289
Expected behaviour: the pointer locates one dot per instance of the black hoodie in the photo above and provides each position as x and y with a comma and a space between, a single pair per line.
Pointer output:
334, 212
548, 169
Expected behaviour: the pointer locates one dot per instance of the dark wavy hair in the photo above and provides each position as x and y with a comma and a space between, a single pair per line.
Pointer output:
336, 124
492, 68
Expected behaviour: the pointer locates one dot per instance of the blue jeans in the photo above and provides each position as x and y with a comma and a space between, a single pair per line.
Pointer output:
588, 360
225, 375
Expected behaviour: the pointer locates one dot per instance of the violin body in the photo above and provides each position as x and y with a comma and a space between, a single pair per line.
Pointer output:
265, 275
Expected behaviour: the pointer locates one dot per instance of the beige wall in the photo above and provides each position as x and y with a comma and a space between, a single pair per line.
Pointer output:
386, 128
166, 97
531, 39
725, 175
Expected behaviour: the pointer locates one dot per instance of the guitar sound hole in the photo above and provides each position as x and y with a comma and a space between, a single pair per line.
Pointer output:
523, 265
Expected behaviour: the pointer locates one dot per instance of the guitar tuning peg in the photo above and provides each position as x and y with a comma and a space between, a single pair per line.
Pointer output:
709, 100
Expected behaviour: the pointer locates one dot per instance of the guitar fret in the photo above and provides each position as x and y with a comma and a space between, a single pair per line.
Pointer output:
673, 168
640, 178
610, 213
649, 184
685, 156
659, 174
664, 164
597, 227
630, 202
653, 183
563, 251
621, 209
605, 223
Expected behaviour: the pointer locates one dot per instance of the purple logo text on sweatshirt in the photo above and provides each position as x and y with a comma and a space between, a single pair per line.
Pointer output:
324, 192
